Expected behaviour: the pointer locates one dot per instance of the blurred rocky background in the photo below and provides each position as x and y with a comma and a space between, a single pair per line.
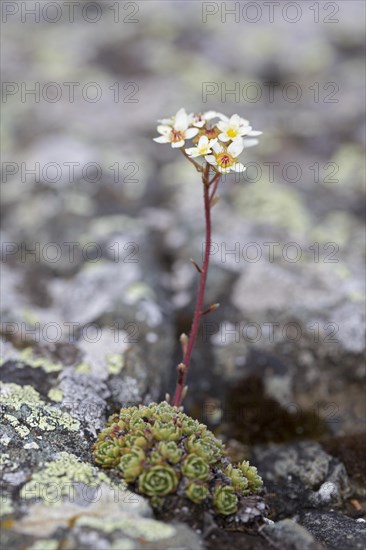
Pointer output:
99, 223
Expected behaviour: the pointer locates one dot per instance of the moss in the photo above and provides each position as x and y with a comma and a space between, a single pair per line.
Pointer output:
15, 396
123, 543
148, 529
139, 291
6, 507
21, 430
161, 451
267, 202
253, 417
115, 363
41, 415
55, 394
338, 224
45, 544
83, 368
59, 476
48, 366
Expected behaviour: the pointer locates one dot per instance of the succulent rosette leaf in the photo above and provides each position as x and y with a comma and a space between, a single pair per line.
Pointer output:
195, 467
255, 482
238, 479
131, 464
158, 481
107, 453
225, 500
170, 451
163, 431
160, 451
208, 447
197, 492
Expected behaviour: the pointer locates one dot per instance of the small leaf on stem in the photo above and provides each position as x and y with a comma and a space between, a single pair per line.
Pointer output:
181, 367
184, 342
195, 265
214, 201
212, 308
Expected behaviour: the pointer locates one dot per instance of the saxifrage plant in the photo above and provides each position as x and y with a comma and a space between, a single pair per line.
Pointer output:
158, 449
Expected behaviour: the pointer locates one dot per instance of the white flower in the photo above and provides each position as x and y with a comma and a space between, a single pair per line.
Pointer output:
225, 158
234, 128
200, 120
203, 148
177, 132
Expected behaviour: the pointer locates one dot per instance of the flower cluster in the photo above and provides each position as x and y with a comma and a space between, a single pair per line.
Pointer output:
218, 140
161, 451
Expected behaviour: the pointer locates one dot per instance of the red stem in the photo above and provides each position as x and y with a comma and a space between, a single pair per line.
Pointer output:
184, 366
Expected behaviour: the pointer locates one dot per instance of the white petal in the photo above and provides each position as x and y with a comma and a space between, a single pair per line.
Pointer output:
211, 160
190, 133
224, 138
244, 122
250, 142
238, 167
203, 141
223, 170
161, 139
245, 129
235, 120
208, 115
178, 144
254, 133
223, 126
181, 120
199, 123
236, 147
212, 142
192, 151
217, 147
167, 121
163, 129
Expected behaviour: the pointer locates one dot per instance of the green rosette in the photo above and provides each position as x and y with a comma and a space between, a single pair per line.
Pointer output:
158, 481
225, 500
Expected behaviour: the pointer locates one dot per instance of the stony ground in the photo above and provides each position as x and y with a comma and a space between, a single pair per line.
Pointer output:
97, 284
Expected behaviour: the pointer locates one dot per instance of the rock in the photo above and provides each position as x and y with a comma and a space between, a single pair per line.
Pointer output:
301, 475
289, 535
334, 530
49, 479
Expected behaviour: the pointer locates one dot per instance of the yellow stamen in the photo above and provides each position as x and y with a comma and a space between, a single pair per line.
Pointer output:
232, 133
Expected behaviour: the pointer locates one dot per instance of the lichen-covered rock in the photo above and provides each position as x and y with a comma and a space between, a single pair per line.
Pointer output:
289, 535
334, 530
300, 474
161, 451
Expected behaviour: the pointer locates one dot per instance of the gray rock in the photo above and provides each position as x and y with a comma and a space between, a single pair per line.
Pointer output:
289, 535
334, 529
301, 475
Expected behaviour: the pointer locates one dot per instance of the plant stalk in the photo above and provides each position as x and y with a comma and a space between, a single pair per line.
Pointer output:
179, 393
